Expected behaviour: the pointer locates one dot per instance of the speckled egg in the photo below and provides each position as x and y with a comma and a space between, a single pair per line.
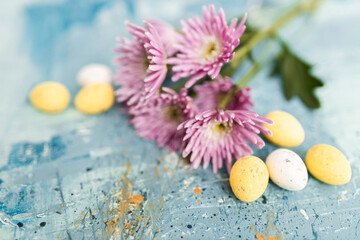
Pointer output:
249, 178
287, 169
286, 129
50, 97
95, 98
327, 164
94, 73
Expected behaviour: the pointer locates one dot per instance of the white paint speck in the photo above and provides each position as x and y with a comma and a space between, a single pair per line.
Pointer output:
220, 200
302, 211
186, 183
41, 215
357, 191
343, 228
100, 152
6, 219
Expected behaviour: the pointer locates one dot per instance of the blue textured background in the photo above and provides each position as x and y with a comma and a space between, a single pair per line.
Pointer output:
62, 170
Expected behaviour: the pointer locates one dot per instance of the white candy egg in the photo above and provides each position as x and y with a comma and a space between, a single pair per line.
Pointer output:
287, 169
94, 73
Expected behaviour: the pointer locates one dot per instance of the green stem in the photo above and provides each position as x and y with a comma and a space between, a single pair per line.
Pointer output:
307, 6
255, 68
179, 85
227, 98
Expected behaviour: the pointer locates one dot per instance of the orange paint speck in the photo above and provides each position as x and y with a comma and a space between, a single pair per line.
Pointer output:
197, 191
76, 226
128, 167
252, 228
215, 212
136, 199
57, 237
198, 200
341, 198
166, 170
156, 170
266, 236
259, 236
127, 225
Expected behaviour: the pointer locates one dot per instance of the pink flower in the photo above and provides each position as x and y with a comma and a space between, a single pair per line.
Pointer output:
132, 73
210, 94
170, 37
206, 45
241, 100
159, 118
220, 135
143, 64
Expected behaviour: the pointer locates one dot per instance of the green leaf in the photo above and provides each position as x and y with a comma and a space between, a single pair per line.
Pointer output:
297, 79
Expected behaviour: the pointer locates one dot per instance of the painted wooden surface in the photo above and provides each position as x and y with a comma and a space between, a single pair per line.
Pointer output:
72, 176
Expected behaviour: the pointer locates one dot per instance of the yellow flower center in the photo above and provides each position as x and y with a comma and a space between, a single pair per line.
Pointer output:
217, 130
211, 49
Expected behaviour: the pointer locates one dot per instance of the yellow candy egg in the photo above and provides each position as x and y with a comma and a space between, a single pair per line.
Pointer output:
249, 178
50, 97
327, 164
95, 98
286, 129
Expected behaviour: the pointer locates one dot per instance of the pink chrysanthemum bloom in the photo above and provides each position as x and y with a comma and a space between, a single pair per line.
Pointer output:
206, 45
210, 94
170, 37
218, 135
143, 64
132, 72
158, 119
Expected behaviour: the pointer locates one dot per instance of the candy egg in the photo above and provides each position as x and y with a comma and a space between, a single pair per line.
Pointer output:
95, 98
287, 169
286, 129
94, 73
50, 97
249, 178
327, 164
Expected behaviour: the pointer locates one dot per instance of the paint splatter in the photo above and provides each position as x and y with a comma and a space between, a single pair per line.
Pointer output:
121, 223
128, 212
26, 153
197, 191
302, 211
271, 219
136, 199
270, 226
156, 170
266, 236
